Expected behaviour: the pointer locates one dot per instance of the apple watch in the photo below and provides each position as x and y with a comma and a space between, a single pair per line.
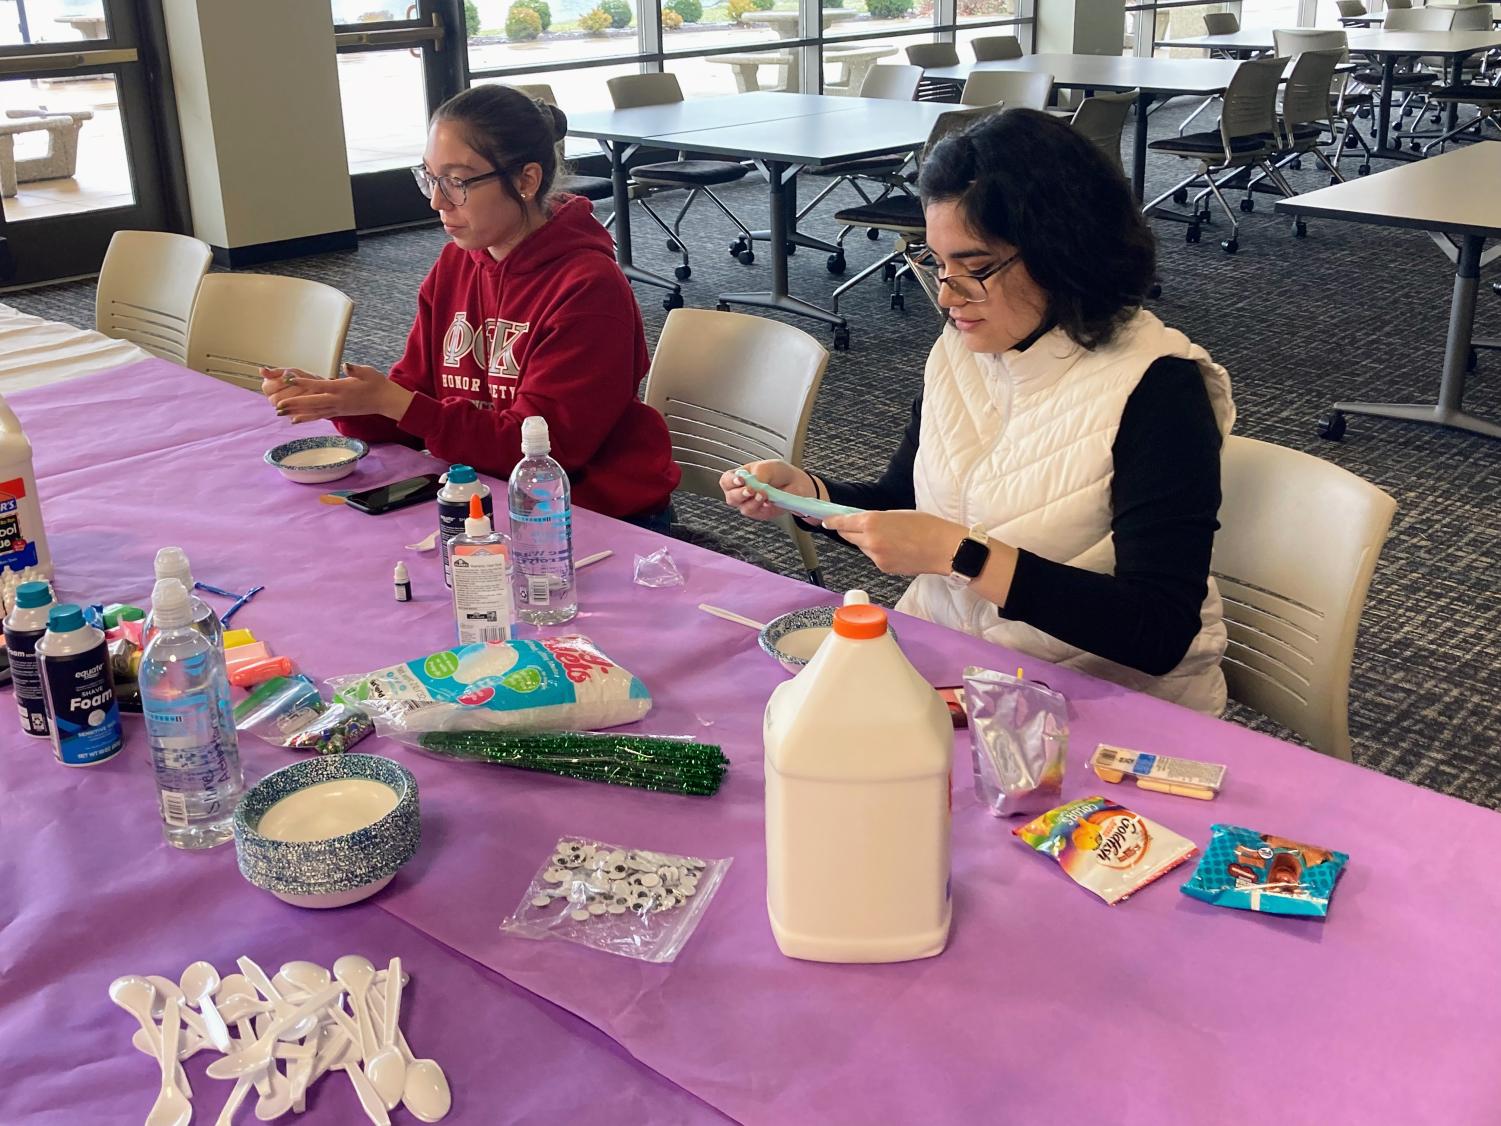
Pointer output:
970, 559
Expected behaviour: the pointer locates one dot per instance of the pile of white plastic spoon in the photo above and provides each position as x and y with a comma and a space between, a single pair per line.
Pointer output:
295, 1021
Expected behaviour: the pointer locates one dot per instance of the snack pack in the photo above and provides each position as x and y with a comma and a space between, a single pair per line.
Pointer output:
1254, 871
1106, 848
551, 684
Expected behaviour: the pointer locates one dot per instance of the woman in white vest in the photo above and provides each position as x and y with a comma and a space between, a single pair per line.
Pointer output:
1057, 488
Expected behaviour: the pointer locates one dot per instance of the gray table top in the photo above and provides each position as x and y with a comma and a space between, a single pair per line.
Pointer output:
645, 122
1453, 193
1112, 72
1377, 42
1246, 39
854, 128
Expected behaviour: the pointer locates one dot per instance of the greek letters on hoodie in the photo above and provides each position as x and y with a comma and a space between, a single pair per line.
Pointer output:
553, 330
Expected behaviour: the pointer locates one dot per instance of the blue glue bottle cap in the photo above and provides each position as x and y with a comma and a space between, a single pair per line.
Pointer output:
65, 618
30, 596
461, 474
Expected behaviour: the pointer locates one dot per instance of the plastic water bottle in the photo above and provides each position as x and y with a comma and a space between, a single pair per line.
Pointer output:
459, 484
190, 724
172, 563
541, 531
858, 750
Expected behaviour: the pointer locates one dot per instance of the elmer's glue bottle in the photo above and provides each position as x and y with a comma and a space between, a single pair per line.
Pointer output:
858, 751
80, 693
23, 543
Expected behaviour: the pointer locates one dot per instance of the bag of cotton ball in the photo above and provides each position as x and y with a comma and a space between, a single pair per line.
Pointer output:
553, 684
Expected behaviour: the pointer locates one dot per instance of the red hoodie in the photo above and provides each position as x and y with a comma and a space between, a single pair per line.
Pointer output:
552, 329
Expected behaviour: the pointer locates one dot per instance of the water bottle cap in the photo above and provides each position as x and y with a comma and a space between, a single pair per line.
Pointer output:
32, 596
65, 618
170, 604
862, 622
461, 474
534, 436
172, 563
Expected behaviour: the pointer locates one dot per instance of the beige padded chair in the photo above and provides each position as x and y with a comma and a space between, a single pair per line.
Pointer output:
996, 48
933, 54
1102, 118
1221, 23
146, 290
1017, 89
736, 389
1299, 539
244, 322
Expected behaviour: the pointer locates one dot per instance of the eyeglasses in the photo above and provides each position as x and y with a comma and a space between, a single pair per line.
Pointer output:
454, 190
967, 287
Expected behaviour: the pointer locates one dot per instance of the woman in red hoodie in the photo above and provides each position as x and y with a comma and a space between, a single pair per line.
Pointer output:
525, 312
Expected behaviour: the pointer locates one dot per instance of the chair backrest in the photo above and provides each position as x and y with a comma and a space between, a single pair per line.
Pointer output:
996, 48
628, 91
1294, 41
146, 290
1305, 95
1351, 8
895, 83
1390, 4
1299, 539
733, 388
933, 54
952, 121
1250, 101
1102, 118
1418, 19
1018, 89
243, 322
1221, 23
1471, 17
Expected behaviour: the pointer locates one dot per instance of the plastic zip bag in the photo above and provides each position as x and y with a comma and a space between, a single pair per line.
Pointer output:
633, 902
1018, 732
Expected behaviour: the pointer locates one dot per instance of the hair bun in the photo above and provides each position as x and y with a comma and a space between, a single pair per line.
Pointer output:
559, 122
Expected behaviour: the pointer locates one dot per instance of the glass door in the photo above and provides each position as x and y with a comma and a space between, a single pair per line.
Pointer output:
398, 61
81, 149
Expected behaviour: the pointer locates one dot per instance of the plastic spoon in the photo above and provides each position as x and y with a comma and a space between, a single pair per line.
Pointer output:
257, 977
259, 1054
279, 1101
349, 1063
189, 1047
172, 1107
355, 974
387, 1068
426, 1093
306, 976
165, 988
198, 984
135, 994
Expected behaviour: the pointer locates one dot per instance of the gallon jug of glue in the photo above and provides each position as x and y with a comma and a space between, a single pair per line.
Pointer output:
23, 543
858, 751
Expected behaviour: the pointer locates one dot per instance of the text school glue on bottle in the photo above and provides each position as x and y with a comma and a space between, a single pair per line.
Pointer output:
23, 543
858, 751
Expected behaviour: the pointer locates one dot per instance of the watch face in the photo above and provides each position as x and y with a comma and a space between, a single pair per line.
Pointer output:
970, 559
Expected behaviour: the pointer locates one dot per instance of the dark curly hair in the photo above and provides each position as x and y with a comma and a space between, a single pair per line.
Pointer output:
1029, 179
510, 130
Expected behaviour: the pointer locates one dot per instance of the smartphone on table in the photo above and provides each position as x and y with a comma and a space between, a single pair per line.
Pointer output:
398, 494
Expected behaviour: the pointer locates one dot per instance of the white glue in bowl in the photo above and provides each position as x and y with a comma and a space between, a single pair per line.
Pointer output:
313, 461
794, 637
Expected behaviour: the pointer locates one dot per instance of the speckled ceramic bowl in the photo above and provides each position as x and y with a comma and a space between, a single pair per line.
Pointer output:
328, 831
312, 461
793, 638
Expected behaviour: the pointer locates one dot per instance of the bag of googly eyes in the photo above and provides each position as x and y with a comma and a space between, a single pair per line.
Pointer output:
633, 902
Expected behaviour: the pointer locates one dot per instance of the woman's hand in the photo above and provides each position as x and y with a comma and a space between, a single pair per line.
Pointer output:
902, 542
777, 474
360, 390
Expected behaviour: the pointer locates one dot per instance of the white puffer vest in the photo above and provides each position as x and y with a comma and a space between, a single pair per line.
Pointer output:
1020, 443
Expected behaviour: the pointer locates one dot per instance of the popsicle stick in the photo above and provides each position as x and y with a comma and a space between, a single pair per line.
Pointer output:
591, 559
731, 616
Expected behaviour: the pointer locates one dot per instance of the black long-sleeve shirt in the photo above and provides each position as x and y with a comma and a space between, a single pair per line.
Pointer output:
1165, 496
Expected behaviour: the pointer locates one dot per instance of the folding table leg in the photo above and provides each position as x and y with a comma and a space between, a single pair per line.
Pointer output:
620, 178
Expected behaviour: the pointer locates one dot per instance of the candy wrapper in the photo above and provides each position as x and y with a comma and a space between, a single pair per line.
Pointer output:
288, 711
1018, 732
1106, 848
1254, 871
552, 684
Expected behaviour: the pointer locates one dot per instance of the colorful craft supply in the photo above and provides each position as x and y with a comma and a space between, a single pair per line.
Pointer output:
648, 762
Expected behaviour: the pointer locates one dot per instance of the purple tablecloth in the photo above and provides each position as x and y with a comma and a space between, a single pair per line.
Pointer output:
1159, 1010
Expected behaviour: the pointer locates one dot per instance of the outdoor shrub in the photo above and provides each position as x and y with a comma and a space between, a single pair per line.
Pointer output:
764, 5
738, 8
888, 9
596, 22
833, 3
544, 12
691, 10
620, 12
671, 21
471, 17
522, 24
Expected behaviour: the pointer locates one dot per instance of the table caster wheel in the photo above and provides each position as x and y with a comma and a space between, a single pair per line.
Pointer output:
791, 249
1180, 196
1350, 142
1300, 229
1192, 234
835, 263
872, 233
723, 306
1297, 164
682, 273
1229, 245
1364, 170
738, 247
1363, 113
1496, 288
1248, 205
673, 246
888, 273
841, 338
898, 301
1155, 291
747, 257
1332, 426
673, 300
